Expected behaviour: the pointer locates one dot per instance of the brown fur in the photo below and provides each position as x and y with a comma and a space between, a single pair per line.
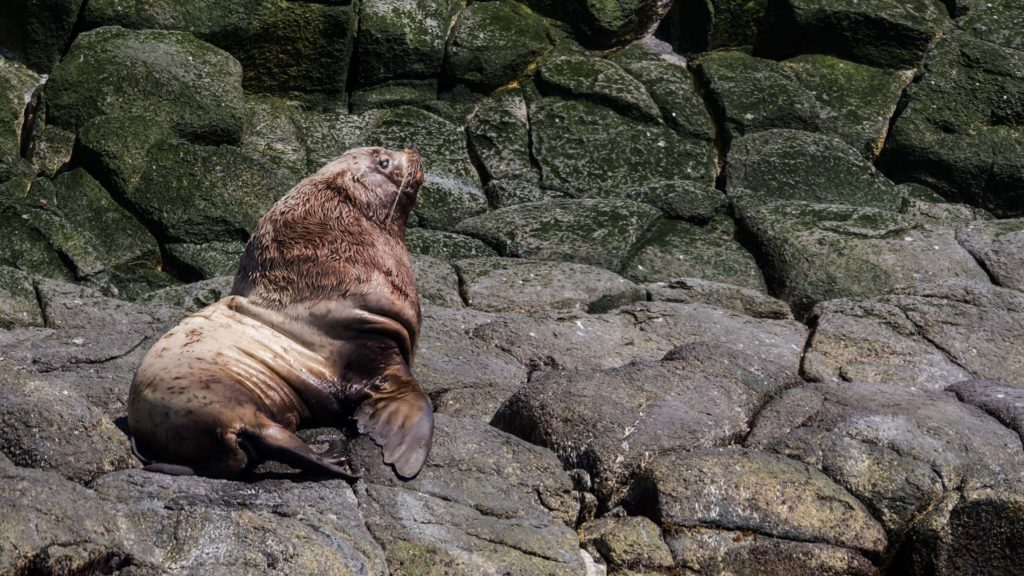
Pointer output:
323, 322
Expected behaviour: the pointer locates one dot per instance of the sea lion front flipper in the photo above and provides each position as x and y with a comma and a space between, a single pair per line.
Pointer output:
400, 419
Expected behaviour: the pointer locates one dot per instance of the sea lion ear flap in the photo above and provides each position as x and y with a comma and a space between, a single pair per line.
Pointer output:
401, 420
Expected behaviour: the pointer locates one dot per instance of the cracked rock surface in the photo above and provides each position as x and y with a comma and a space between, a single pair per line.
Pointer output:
708, 287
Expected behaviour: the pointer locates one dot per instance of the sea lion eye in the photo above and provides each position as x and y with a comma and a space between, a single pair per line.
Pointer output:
384, 163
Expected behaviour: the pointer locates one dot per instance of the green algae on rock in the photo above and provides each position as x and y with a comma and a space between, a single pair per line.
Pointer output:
597, 80
402, 39
699, 25
18, 304
445, 245
17, 86
499, 137
605, 23
36, 31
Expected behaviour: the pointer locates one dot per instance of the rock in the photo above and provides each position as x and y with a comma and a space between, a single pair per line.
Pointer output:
499, 136
792, 165
1002, 402
187, 83
743, 301
999, 246
528, 286
36, 32
198, 194
271, 132
504, 193
714, 551
996, 22
613, 423
928, 336
493, 43
975, 529
208, 260
595, 232
84, 225
24, 247
707, 24
402, 39
926, 207
817, 252
452, 189
282, 46
765, 376
327, 135
880, 33
631, 541
50, 149
605, 24
740, 489
736, 85
677, 249
896, 449
18, 304
393, 94
17, 86
188, 298
690, 201
484, 516
665, 76
464, 376
856, 101
606, 154
597, 80
445, 245
960, 133
44, 423
114, 149
436, 282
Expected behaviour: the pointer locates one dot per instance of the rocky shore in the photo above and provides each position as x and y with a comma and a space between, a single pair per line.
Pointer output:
708, 287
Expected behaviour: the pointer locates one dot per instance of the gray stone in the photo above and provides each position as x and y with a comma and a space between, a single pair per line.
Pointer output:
327, 135
740, 489
24, 247
499, 136
736, 84
114, 149
445, 245
677, 249
189, 84
400, 39
1004, 403
607, 154
191, 297
817, 252
928, 336
999, 246
886, 33
856, 101
595, 232
436, 281
691, 201
207, 260
792, 165
18, 304
529, 286
740, 300
271, 132
470, 512
17, 86
895, 448
996, 22
960, 132
493, 43
631, 541
504, 193
50, 149
598, 80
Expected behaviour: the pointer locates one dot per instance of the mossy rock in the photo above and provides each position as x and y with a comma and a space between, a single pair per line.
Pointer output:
393, 94
677, 249
189, 84
493, 43
17, 85
792, 165
205, 261
699, 25
199, 194
401, 39
599, 232
997, 22
282, 46
737, 84
670, 84
856, 101
818, 252
604, 23
682, 200
445, 245
327, 135
50, 149
502, 193
271, 132
586, 150
36, 31
25, 248
962, 131
499, 137
19, 306
113, 148
886, 33
598, 80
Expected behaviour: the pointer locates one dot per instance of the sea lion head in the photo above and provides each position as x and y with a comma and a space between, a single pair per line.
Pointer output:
381, 183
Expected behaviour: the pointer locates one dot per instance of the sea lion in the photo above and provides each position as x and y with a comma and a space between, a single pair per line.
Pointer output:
321, 326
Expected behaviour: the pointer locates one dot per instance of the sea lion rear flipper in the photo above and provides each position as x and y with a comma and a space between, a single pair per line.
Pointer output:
275, 442
401, 420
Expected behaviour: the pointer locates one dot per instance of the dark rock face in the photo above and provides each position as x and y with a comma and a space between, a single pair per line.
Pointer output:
708, 286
